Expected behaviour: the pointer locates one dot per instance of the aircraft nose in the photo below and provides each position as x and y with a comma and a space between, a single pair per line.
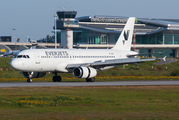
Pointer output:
14, 64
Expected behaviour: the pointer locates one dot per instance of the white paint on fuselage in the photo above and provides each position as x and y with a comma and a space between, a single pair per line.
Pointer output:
45, 60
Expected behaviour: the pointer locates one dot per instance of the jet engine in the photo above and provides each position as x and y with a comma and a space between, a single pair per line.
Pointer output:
34, 75
84, 72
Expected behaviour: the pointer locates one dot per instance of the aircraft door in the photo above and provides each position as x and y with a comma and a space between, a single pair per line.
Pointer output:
37, 58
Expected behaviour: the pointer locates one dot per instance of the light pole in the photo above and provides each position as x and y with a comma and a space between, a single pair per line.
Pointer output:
14, 34
55, 32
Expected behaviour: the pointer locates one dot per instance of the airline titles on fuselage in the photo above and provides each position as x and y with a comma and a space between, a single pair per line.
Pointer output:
55, 54
65, 54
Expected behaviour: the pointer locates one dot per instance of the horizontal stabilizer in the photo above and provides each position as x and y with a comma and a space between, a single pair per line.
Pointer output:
144, 54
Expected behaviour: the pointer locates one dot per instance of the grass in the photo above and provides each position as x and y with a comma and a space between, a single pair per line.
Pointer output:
122, 102
89, 103
145, 71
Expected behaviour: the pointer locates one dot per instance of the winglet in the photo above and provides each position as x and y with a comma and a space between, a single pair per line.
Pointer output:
125, 39
164, 58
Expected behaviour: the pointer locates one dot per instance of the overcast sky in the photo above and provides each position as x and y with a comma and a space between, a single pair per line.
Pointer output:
34, 18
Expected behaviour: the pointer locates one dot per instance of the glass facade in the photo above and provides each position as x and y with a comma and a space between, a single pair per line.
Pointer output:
104, 39
77, 37
168, 39
171, 39
84, 36
163, 52
58, 37
98, 39
158, 39
176, 39
116, 37
89, 37
152, 39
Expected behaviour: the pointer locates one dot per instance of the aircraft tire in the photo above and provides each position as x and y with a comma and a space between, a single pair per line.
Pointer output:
90, 79
54, 78
29, 80
59, 78
87, 80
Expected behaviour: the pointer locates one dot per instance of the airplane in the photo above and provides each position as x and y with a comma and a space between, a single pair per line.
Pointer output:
15, 52
83, 63
11, 53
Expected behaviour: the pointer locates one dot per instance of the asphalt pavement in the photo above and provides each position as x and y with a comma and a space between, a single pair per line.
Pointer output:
76, 84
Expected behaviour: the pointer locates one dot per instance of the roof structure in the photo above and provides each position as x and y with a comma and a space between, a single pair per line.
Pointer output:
115, 24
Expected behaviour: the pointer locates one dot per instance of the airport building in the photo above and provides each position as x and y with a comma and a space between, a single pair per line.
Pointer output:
150, 34
86, 32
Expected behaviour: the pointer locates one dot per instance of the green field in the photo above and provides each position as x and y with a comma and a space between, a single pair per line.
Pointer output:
141, 72
90, 103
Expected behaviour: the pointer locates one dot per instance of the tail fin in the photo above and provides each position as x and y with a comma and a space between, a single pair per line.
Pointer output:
125, 39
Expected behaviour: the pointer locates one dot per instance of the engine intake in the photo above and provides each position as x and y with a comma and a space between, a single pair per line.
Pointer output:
84, 72
34, 75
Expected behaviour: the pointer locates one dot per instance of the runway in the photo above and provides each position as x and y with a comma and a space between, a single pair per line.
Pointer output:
80, 84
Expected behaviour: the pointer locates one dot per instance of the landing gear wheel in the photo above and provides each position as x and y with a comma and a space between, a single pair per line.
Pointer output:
57, 78
54, 78
90, 79
29, 80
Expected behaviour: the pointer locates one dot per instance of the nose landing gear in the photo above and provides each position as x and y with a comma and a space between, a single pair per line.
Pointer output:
29, 79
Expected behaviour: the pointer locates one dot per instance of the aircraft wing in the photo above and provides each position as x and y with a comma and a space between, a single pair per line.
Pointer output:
112, 62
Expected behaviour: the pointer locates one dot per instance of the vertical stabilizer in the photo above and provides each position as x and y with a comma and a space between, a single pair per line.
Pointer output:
125, 39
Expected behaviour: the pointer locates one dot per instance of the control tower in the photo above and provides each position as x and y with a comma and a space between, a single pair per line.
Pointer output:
66, 22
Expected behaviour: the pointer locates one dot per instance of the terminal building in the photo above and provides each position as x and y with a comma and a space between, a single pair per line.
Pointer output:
151, 35
86, 32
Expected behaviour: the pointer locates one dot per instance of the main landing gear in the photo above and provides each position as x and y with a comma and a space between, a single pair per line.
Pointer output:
90, 79
57, 78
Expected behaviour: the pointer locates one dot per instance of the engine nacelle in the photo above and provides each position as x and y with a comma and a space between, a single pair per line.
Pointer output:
34, 75
84, 72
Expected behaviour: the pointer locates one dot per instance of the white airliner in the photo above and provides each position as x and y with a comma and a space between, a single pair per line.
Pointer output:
83, 63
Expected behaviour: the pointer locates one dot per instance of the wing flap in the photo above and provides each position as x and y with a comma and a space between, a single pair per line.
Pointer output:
121, 61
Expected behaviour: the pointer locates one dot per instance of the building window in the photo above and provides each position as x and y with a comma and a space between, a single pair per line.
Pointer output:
176, 39
168, 39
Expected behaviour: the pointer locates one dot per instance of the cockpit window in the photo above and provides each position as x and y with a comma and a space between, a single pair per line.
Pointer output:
23, 56
19, 56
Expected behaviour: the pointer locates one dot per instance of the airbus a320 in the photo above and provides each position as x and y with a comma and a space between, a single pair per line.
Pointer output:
83, 63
